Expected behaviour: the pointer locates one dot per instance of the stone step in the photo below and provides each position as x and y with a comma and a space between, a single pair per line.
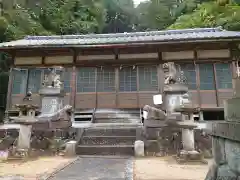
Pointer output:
83, 116
117, 120
105, 150
120, 111
116, 115
110, 132
108, 140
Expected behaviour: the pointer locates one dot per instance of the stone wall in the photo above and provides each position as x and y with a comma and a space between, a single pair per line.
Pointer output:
171, 140
39, 139
226, 141
226, 152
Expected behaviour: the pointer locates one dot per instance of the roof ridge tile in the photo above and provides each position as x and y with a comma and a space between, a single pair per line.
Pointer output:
128, 34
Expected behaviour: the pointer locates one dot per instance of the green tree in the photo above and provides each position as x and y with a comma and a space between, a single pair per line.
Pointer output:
120, 16
159, 14
211, 14
72, 16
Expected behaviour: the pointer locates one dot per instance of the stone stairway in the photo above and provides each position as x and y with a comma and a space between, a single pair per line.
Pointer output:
83, 115
117, 116
107, 141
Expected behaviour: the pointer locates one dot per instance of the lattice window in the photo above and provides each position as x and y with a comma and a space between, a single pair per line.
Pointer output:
148, 78
34, 80
128, 79
86, 80
105, 79
224, 76
206, 76
190, 74
67, 80
19, 81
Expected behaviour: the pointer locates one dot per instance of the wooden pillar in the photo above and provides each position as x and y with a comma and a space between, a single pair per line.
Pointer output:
73, 87
116, 51
117, 84
160, 74
9, 92
137, 71
197, 78
73, 80
96, 89
215, 84
160, 79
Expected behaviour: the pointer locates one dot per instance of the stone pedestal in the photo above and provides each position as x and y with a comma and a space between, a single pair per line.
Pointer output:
139, 148
188, 153
71, 148
24, 137
188, 139
173, 98
188, 133
52, 99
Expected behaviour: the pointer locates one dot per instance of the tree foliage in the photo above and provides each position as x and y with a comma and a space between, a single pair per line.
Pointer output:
46, 17
34, 17
120, 16
72, 16
159, 14
211, 14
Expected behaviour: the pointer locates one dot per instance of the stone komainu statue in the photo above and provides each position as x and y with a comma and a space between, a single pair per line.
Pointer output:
170, 72
181, 78
52, 80
154, 113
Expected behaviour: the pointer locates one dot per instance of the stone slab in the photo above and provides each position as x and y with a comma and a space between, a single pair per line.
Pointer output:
154, 123
139, 148
24, 138
171, 123
45, 125
224, 173
236, 83
51, 91
232, 150
231, 109
182, 124
101, 168
173, 88
219, 150
51, 105
228, 130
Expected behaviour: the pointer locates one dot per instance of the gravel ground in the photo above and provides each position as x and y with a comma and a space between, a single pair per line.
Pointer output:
103, 168
167, 169
31, 169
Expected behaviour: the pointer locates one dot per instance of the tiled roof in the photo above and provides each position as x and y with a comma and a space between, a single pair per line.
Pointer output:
122, 38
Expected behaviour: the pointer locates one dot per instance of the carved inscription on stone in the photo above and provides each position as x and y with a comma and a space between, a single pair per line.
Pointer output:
50, 105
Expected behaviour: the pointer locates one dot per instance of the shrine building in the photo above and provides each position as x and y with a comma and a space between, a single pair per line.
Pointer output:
124, 70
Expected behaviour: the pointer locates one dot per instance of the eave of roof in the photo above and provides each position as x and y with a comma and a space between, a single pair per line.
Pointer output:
104, 40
